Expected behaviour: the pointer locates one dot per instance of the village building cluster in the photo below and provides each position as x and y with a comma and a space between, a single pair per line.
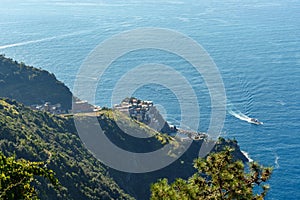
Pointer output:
48, 107
145, 112
81, 106
193, 135
142, 111
78, 107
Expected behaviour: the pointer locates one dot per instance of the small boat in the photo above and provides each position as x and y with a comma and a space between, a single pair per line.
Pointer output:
255, 121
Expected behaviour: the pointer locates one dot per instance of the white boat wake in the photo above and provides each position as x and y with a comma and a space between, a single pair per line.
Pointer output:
27, 42
41, 40
238, 114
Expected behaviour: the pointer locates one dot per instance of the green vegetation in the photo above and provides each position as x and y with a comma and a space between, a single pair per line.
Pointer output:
112, 120
40, 136
218, 177
138, 185
16, 177
30, 85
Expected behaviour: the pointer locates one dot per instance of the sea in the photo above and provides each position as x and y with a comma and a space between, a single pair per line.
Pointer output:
255, 45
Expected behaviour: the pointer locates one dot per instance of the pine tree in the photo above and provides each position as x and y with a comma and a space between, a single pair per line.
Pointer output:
219, 176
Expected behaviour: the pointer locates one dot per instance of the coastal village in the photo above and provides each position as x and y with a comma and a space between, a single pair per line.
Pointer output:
145, 112
140, 110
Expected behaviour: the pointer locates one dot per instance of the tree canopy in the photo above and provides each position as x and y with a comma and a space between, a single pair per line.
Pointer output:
30, 85
219, 176
17, 176
41, 136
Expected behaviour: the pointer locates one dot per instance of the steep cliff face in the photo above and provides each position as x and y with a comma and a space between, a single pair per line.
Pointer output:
30, 85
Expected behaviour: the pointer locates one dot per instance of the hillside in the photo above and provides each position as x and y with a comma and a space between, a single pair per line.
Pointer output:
137, 184
38, 136
30, 85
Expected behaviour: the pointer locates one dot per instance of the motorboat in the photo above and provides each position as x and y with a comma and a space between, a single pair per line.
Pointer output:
255, 121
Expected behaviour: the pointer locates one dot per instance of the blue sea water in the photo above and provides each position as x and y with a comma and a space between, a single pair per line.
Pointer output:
255, 44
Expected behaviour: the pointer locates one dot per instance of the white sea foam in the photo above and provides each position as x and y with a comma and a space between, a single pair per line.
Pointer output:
281, 102
183, 19
247, 156
262, 5
176, 2
86, 4
276, 161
